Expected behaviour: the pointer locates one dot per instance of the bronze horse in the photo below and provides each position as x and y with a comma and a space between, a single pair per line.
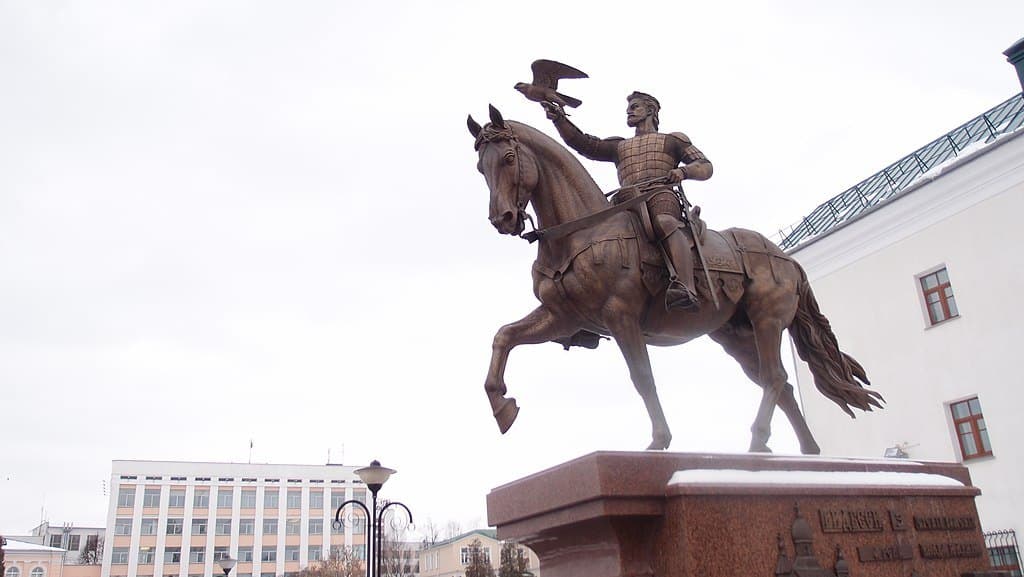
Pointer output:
593, 280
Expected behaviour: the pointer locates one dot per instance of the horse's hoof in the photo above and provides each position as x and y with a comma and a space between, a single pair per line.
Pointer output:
759, 448
660, 443
506, 414
812, 449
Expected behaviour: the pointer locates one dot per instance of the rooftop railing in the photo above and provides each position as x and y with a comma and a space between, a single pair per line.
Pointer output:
895, 178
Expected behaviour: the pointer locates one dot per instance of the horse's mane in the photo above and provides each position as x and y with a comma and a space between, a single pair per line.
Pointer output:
555, 155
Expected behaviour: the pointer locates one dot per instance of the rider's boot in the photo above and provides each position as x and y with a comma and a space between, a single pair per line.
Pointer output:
679, 294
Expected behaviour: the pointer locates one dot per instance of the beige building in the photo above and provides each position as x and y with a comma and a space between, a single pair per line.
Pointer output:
177, 519
449, 558
30, 559
80, 543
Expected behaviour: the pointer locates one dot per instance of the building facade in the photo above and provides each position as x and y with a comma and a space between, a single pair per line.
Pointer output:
921, 286
449, 558
82, 544
30, 559
177, 519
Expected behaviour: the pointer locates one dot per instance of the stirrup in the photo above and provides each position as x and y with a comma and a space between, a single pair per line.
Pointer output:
679, 296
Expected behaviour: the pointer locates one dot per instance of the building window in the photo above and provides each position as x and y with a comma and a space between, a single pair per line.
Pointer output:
175, 526
358, 525
316, 499
249, 499
224, 498
245, 554
57, 541
293, 526
359, 495
223, 526
119, 556
295, 499
37, 572
468, 553
199, 526
172, 555
220, 553
246, 526
126, 497
123, 526
177, 499
74, 542
359, 551
146, 555
938, 296
291, 553
316, 526
148, 526
314, 552
970, 429
271, 498
12, 572
270, 526
151, 498
270, 574
337, 498
201, 499
197, 555
268, 555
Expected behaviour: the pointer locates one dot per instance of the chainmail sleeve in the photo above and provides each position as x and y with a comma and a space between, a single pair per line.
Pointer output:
696, 166
592, 147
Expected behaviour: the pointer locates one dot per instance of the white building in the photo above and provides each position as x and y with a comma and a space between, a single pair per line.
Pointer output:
176, 519
919, 271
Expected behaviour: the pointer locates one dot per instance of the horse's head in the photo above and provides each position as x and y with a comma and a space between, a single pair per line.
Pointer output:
510, 170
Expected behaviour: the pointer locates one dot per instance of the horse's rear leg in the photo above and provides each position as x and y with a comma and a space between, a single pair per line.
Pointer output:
738, 342
625, 328
537, 327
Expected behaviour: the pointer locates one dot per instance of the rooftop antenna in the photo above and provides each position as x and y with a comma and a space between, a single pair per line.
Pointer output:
250, 451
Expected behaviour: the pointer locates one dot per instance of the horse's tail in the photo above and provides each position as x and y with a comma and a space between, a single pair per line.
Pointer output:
836, 374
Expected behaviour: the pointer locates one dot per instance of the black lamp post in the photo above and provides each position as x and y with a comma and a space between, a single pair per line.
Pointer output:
374, 478
226, 565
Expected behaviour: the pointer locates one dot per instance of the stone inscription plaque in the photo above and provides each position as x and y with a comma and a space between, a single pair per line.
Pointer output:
850, 521
950, 550
894, 552
944, 523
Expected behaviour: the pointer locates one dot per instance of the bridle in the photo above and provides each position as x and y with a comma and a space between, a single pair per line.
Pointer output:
491, 134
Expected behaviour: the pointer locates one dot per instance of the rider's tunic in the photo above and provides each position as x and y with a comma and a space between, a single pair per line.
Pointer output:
641, 158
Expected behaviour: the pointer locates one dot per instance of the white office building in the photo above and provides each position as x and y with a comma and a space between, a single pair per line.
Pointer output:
176, 519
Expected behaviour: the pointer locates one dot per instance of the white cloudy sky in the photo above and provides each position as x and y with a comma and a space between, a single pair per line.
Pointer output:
248, 219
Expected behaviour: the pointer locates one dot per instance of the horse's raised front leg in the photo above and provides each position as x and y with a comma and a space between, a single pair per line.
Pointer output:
625, 329
537, 327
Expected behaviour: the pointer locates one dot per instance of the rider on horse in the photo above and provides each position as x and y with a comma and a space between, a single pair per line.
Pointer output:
649, 155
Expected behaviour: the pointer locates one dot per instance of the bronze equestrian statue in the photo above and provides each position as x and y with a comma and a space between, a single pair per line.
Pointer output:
599, 271
649, 155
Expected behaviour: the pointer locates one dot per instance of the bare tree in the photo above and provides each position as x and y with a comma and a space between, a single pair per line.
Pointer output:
399, 556
431, 533
92, 554
515, 561
479, 564
343, 562
452, 529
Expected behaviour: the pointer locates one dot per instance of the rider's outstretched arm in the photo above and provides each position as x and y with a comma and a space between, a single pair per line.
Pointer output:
592, 147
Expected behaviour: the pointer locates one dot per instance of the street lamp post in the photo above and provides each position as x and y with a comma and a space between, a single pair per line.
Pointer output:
226, 565
374, 478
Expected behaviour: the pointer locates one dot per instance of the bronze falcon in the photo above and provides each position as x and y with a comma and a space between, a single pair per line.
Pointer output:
546, 74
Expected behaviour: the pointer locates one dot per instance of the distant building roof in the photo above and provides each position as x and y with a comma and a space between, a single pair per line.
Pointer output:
492, 533
16, 545
893, 180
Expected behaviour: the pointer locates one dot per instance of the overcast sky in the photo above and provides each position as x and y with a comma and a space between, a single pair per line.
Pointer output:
234, 220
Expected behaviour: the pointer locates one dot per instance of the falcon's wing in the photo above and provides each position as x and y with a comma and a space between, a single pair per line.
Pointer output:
547, 72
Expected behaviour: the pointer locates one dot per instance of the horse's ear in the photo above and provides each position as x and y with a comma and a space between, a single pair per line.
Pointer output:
496, 118
474, 127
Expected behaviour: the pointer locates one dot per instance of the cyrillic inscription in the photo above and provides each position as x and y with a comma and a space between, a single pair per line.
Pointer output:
950, 550
943, 523
844, 521
895, 552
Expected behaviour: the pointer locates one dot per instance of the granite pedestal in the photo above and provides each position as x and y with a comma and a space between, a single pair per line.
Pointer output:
614, 514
